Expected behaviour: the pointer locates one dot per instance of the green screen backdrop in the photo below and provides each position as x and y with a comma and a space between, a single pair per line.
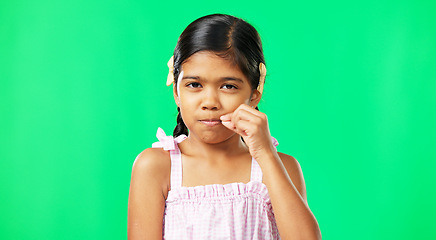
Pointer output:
350, 92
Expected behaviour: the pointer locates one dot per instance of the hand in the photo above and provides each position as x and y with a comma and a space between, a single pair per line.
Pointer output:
252, 125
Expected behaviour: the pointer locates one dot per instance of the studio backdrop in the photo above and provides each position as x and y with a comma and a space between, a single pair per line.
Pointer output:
350, 93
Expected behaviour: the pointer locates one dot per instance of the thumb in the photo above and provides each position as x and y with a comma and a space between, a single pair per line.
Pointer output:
226, 117
226, 120
228, 124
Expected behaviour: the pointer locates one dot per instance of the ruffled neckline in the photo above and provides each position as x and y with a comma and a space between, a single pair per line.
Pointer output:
218, 192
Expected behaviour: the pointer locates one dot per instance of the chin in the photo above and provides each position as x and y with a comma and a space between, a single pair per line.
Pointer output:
214, 137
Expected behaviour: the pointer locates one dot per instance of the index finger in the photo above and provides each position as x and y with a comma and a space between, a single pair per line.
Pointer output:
226, 117
250, 109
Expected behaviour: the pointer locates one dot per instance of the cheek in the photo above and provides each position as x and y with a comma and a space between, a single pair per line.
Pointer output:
188, 104
235, 102
187, 101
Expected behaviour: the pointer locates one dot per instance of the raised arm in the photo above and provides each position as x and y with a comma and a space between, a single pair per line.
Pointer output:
148, 190
281, 174
284, 180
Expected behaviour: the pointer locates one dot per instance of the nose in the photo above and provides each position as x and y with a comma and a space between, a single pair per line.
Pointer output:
210, 101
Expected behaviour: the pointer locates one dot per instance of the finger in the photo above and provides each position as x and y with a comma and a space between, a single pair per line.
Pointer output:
242, 114
244, 107
244, 128
229, 125
232, 127
250, 109
226, 117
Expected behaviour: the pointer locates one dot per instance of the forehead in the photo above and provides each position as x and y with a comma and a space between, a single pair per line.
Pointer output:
209, 65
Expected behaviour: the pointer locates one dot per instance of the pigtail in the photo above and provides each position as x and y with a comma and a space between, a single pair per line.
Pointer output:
180, 127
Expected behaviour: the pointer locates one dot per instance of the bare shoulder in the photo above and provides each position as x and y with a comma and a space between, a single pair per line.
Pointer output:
148, 189
152, 158
152, 164
295, 173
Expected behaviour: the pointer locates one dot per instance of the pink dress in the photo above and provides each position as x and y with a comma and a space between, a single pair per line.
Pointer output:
230, 211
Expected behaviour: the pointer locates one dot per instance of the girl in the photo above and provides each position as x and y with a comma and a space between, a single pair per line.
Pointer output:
220, 176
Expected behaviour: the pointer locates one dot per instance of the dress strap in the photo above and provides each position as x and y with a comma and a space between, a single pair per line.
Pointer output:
256, 171
169, 143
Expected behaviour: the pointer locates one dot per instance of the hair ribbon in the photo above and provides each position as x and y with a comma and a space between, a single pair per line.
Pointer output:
262, 71
170, 78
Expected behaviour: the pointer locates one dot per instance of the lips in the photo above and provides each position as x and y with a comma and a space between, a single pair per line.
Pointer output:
211, 122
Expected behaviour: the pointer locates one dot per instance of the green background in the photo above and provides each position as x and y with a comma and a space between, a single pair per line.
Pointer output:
350, 93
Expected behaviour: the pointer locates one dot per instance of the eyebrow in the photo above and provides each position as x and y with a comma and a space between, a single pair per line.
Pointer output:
223, 79
232, 79
191, 77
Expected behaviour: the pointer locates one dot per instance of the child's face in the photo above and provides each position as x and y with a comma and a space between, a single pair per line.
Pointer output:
210, 86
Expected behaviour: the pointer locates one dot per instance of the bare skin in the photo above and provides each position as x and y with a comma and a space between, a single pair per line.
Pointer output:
217, 105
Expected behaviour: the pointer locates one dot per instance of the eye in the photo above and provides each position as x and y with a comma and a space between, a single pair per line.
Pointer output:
193, 85
229, 86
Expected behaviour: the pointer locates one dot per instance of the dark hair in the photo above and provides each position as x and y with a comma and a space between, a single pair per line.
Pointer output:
229, 37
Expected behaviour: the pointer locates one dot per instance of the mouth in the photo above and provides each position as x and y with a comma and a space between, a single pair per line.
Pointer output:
210, 122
